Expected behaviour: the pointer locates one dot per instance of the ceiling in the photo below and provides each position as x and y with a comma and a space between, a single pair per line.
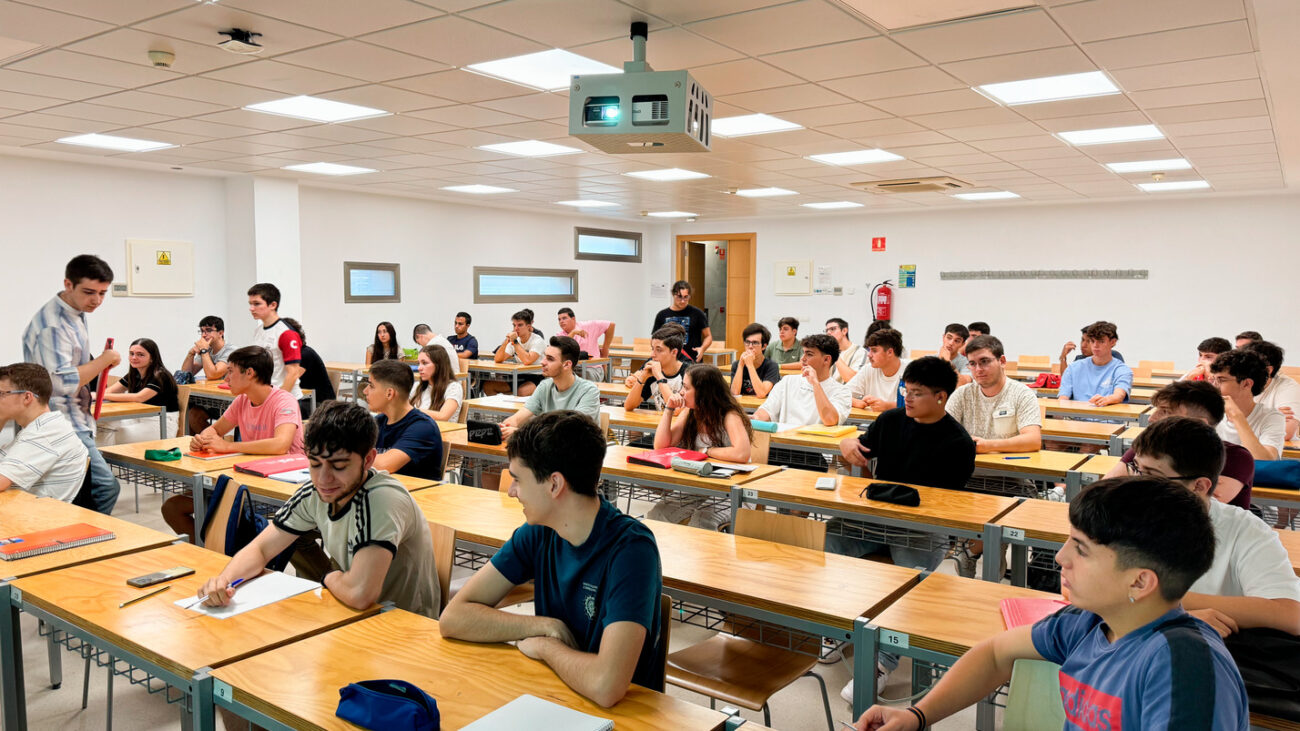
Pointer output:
1195, 68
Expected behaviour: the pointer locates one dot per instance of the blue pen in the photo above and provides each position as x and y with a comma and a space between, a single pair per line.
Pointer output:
204, 598
1015, 458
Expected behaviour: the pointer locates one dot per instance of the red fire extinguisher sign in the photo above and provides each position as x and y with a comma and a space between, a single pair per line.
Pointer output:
878, 243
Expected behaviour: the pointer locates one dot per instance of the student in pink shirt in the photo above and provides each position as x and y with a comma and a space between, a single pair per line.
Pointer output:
593, 336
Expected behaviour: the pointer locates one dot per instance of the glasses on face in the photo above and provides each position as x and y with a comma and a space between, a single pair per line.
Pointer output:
754, 343
982, 363
1220, 380
207, 331
12, 393
1136, 470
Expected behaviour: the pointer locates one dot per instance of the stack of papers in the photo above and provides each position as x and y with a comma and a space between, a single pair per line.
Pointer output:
257, 592
535, 714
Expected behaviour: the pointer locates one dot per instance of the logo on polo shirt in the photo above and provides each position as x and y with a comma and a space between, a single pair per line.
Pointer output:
1089, 708
589, 601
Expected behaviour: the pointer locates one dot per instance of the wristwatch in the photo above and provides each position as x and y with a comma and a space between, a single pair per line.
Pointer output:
205, 351
661, 380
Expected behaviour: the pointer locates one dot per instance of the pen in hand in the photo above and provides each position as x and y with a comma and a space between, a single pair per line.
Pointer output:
204, 598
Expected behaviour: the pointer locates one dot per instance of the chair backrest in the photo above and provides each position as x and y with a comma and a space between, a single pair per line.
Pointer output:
616, 340
665, 630
214, 538
1012, 365
1293, 371
183, 401
922, 353
604, 425
1142, 371
791, 530
1033, 360
446, 457
640, 341
760, 447
507, 480
463, 414
1034, 699
444, 553
1165, 365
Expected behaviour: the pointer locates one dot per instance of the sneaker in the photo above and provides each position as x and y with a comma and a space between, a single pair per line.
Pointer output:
833, 656
881, 674
965, 560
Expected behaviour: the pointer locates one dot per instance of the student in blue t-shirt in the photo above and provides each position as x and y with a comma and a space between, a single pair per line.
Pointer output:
1102, 380
596, 570
409, 441
1130, 656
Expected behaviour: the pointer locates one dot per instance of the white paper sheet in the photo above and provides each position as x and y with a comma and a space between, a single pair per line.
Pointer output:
536, 714
254, 593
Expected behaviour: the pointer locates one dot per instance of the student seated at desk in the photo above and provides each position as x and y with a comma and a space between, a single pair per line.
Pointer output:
385, 344
46, 458
950, 349
208, 356
712, 422
409, 442
1240, 376
1206, 352
1085, 350
1000, 414
1200, 400
438, 393
521, 345
593, 336
813, 396
876, 387
424, 335
852, 357
267, 419
596, 571
466, 345
147, 382
1128, 653
1101, 379
786, 348
561, 391
1281, 392
1246, 337
659, 381
757, 374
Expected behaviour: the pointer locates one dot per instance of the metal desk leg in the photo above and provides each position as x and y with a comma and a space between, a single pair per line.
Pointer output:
1019, 564
1115, 445
1144, 419
735, 503
11, 662
162, 433
56, 660
864, 666
200, 505
202, 715
514, 382
993, 553
1073, 484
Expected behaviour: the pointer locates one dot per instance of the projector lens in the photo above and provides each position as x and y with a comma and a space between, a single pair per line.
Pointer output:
601, 111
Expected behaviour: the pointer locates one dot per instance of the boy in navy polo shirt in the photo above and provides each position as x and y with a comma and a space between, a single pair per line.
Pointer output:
409, 441
596, 570
1130, 657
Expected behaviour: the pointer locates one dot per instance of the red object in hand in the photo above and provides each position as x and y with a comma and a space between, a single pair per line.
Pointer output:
103, 383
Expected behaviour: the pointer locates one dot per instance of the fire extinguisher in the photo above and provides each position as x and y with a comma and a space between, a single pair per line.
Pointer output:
882, 300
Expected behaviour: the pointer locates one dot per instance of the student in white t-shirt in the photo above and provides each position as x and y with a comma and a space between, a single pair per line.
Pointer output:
424, 335
1281, 392
521, 345
437, 392
281, 341
46, 458
1251, 582
852, 357
877, 387
812, 396
1240, 375
1000, 414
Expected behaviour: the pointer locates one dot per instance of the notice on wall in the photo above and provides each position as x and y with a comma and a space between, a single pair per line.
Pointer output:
658, 290
823, 275
878, 243
906, 276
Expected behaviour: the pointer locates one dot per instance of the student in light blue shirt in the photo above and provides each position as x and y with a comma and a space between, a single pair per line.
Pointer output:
1102, 380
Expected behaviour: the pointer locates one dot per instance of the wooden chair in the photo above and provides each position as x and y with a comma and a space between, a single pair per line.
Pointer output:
604, 426
182, 416
1293, 371
1034, 698
444, 555
1159, 365
1012, 365
922, 353
723, 666
1142, 371
637, 343
759, 447
1037, 361
665, 628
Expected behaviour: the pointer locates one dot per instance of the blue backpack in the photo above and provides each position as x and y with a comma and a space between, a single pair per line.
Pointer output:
1283, 473
243, 524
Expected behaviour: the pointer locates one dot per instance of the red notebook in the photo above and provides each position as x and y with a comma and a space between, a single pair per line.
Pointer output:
1021, 611
53, 539
273, 465
663, 458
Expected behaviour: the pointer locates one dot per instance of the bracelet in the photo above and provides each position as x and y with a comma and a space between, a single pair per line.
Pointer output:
920, 717
638, 380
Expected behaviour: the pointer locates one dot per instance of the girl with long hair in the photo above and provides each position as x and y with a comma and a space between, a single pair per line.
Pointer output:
385, 345
148, 382
437, 392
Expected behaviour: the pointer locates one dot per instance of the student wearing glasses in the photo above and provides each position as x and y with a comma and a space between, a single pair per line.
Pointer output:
46, 458
1240, 376
757, 374
691, 318
209, 356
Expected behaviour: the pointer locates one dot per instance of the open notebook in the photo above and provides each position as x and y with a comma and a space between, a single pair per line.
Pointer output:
536, 714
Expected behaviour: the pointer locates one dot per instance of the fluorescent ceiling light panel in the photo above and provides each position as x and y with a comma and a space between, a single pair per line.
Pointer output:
329, 168
1149, 166
587, 204
856, 157
1109, 135
478, 189
1050, 88
530, 148
316, 109
764, 192
672, 214
750, 124
544, 70
832, 205
667, 174
995, 195
111, 142
1174, 185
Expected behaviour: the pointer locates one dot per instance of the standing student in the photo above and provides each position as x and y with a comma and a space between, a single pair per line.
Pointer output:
561, 390
315, 375
521, 345
596, 572
659, 381
593, 336
1240, 376
1085, 349
751, 373
852, 357
282, 342
1246, 337
876, 386
149, 382
438, 393
786, 348
1281, 392
955, 336
1128, 652
813, 396
712, 422
1101, 379
466, 345
58, 339
691, 318
385, 344
47, 458
1206, 352
409, 442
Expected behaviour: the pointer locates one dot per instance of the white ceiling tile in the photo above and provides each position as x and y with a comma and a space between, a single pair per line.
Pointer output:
785, 27
362, 61
66, 89
1016, 143
1094, 121
1203, 112
50, 121
466, 115
1077, 107
823, 117
1197, 71
109, 117
26, 102
922, 151
980, 37
849, 58
401, 124
466, 138
1218, 126
282, 77
1100, 19
872, 128
454, 40
196, 130
534, 130
28, 132
254, 120
200, 22
44, 26
238, 146
686, 11
967, 118
1206, 154
737, 77
71, 149
784, 99
169, 106
583, 21
339, 16
133, 46
81, 67
939, 101
339, 133
1225, 91
1150, 149
461, 86
213, 91
1206, 41
388, 98
1017, 66
669, 48
922, 80
535, 106
1194, 143
890, 142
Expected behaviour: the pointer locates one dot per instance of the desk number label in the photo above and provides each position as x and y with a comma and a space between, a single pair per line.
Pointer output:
1014, 534
16, 596
222, 690
893, 639
749, 493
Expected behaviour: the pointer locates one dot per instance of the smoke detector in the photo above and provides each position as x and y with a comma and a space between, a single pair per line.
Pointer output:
240, 41
161, 59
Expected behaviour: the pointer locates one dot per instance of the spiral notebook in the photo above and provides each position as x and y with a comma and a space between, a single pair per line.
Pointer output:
53, 539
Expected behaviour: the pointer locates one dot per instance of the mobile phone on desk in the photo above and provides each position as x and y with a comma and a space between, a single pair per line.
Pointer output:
159, 577
826, 483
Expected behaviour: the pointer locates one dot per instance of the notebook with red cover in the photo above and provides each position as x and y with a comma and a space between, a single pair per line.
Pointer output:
663, 458
53, 539
273, 465
1017, 612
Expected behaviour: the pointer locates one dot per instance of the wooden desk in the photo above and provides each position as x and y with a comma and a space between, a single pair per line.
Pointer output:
490, 370
1142, 395
719, 355
117, 410
635, 420
178, 477
1291, 449
1151, 382
297, 685
1097, 466
1291, 542
485, 519
1174, 373
171, 643
617, 468
1080, 432
1038, 523
1042, 465
603, 363
1125, 412
277, 492
1123, 440
1278, 496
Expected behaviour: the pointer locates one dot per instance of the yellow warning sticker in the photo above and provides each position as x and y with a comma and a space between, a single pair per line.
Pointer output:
789, 271
164, 258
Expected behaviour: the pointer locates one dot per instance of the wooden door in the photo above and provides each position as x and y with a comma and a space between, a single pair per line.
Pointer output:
741, 259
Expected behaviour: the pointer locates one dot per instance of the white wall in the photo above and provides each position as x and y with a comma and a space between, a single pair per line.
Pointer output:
1218, 265
438, 245
53, 211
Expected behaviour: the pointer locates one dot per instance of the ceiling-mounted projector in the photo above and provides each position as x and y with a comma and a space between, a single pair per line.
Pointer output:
640, 110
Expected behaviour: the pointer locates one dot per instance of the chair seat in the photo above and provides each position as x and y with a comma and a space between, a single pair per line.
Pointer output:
736, 671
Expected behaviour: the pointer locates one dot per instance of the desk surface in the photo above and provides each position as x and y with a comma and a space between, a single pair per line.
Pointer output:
485, 517
491, 366
950, 614
298, 684
459, 441
211, 388
161, 632
952, 508
1098, 465
1291, 449
1291, 542
1042, 462
282, 491
22, 512
1274, 494
1046, 520
133, 455
617, 466
1120, 411
125, 410
1066, 428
